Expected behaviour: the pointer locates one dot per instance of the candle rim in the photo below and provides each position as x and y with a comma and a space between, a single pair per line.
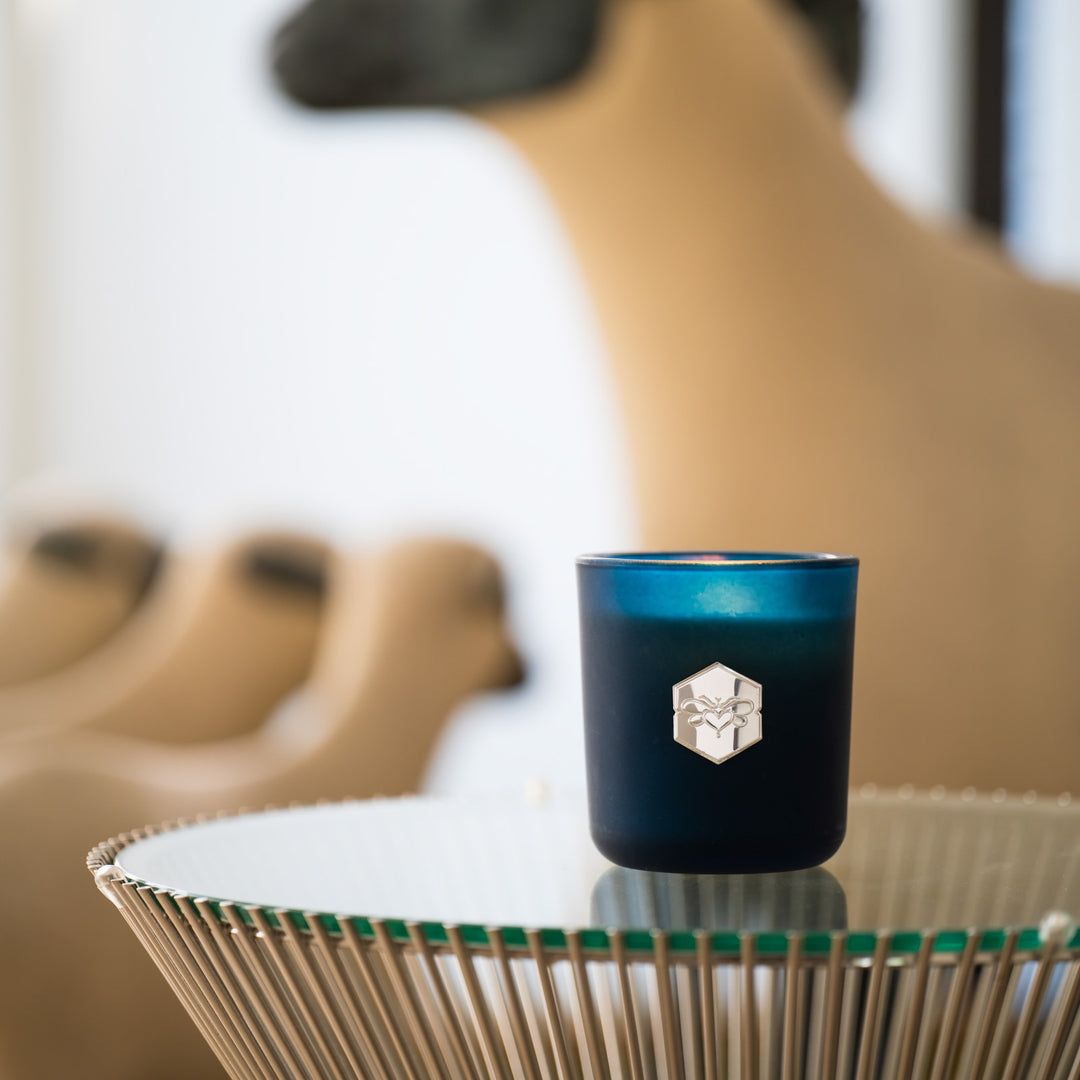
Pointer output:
714, 560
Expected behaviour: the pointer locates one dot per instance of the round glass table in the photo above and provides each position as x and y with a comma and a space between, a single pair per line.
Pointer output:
423, 937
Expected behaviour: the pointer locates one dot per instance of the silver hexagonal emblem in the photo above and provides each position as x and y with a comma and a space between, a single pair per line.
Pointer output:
717, 712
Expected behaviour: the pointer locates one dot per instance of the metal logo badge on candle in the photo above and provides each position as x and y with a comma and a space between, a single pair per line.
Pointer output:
717, 712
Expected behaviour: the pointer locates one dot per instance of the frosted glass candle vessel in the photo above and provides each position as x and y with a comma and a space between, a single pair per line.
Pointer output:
717, 693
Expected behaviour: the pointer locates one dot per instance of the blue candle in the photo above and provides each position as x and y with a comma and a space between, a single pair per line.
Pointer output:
717, 692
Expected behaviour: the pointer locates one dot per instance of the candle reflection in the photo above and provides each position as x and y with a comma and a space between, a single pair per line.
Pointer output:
797, 900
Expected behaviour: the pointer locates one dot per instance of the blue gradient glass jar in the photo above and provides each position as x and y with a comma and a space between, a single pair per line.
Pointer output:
717, 691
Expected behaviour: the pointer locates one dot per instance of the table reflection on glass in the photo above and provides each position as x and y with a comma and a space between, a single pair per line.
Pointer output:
798, 900
429, 937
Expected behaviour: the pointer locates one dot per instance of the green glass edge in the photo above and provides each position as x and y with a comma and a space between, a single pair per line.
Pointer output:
722, 942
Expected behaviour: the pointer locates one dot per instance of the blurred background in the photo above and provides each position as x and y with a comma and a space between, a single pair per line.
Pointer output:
221, 311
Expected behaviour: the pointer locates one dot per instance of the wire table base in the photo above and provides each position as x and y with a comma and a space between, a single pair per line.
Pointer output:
279, 993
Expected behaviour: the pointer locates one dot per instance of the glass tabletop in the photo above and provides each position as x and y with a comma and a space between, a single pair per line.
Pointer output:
910, 862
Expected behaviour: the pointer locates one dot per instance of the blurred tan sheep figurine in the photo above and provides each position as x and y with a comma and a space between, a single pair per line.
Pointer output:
411, 633
67, 585
226, 634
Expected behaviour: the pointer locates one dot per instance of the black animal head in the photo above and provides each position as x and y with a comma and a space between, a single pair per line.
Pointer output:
335, 54
348, 53
837, 24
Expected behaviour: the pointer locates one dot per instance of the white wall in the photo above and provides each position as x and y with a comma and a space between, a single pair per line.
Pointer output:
6, 253
10, 248
369, 324
908, 124
1044, 120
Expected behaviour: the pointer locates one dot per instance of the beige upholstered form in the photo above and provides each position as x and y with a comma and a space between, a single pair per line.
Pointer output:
66, 586
222, 637
803, 366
